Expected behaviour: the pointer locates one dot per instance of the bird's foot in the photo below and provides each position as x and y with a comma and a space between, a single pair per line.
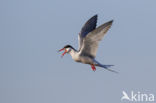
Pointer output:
93, 67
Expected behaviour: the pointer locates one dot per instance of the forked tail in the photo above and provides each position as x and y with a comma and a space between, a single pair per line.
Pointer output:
105, 66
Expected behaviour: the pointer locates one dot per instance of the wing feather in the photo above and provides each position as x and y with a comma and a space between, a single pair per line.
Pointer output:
89, 26
91, 41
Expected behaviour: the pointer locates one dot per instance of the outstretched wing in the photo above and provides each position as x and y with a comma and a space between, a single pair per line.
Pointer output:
91, 41
89, 26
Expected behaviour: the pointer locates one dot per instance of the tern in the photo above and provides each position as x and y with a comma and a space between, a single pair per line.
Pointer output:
89, 38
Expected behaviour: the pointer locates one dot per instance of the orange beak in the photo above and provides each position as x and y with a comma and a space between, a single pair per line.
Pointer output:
65, 51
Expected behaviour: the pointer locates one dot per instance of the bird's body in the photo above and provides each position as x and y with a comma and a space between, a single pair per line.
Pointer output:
89, 38
80, 58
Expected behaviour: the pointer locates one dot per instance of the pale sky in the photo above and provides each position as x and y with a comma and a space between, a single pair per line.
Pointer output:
32, 71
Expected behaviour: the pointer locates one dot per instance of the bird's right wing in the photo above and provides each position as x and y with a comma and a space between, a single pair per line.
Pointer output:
91, 41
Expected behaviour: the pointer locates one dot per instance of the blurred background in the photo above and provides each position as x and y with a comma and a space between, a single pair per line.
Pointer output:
32, 31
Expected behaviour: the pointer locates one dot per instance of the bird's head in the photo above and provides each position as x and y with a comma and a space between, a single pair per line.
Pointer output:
67, 49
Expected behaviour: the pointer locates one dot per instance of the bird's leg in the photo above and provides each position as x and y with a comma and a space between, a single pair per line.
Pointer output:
93, 67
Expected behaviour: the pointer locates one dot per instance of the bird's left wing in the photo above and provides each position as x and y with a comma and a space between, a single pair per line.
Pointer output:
91, 41
89, 26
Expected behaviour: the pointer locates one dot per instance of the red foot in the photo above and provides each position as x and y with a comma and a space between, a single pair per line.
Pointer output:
93, 67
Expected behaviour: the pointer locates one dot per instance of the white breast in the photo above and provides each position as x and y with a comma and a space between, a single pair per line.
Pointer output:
78, 58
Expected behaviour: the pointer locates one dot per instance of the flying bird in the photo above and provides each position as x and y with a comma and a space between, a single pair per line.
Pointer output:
89, 38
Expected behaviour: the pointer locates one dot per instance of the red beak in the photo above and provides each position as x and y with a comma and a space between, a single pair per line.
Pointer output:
65, 51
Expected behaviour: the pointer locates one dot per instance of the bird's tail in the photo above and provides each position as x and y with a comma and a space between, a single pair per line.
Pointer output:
105, 66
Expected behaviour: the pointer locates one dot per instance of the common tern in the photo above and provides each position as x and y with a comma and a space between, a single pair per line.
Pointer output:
89, 38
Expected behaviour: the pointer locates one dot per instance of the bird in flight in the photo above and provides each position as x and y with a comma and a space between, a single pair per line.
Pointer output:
89, 38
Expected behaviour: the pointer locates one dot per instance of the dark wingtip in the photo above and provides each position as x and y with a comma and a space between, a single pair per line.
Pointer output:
95, 16
110, 22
